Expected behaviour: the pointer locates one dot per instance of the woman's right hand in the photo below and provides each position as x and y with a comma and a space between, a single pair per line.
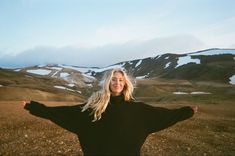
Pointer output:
24, 103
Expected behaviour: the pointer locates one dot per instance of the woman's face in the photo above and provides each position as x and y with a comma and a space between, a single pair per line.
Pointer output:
117, 84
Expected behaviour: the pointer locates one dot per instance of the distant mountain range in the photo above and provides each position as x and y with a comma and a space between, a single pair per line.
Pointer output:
211, 65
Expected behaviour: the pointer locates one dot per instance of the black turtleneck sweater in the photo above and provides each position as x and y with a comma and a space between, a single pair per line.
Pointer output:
122, 129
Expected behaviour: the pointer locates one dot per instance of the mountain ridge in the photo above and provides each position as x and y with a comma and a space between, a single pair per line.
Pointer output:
164, 66
56, 79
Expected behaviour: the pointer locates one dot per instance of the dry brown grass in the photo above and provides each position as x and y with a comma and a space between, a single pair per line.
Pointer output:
21, 93
210, 132
24, 134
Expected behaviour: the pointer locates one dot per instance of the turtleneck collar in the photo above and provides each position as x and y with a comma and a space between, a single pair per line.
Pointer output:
117, 99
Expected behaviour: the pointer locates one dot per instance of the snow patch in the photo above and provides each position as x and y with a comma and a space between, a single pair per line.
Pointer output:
54, 74
215, 52
232, 80
180, 93
192, 93
141, 77
71, 85
167, 65
185, 60
89, 85
138, 63
39, 71
157, 57
64, 75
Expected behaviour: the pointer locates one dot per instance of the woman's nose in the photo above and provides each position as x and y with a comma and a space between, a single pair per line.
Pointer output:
117, 82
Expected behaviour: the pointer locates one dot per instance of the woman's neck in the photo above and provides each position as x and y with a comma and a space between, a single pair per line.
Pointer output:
116, 94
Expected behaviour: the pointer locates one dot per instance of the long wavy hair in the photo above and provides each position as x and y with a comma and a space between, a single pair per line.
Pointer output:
99, 100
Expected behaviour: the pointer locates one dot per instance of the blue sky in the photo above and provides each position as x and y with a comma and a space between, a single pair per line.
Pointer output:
115, 29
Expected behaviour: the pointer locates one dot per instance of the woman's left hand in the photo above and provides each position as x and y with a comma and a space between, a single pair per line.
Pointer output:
195, 109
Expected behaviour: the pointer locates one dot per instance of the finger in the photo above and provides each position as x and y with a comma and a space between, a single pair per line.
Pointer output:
195, 109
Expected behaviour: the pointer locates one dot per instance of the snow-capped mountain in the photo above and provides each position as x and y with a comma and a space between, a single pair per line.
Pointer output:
211, 64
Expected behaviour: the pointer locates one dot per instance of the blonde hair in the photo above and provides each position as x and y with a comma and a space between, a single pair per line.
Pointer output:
99, 100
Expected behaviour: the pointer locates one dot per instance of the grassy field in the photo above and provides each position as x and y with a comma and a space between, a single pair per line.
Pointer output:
210, 132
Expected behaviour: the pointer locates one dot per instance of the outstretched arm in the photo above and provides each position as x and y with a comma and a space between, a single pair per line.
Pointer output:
68, 117
158, 118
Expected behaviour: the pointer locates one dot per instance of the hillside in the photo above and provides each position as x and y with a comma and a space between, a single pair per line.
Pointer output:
213, 64
22, 86
204, 79
49, 82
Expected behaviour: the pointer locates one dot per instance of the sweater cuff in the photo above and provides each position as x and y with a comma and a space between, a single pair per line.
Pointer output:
190, 110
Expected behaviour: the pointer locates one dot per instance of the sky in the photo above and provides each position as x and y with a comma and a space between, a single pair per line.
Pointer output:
104, 32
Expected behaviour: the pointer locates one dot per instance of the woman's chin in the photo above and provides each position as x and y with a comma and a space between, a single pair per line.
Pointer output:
116, 93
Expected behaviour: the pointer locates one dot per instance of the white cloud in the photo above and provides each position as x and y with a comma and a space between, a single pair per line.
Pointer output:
104, 55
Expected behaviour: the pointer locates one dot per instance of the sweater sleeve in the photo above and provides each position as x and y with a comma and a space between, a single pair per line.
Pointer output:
158, 118
68, 117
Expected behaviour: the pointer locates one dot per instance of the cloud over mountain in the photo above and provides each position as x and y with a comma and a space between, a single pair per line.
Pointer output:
102, 56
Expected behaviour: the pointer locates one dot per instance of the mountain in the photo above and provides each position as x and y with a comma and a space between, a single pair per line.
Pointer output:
208, 65
211, 65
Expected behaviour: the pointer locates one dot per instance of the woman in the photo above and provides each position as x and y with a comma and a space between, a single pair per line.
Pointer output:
111, 122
